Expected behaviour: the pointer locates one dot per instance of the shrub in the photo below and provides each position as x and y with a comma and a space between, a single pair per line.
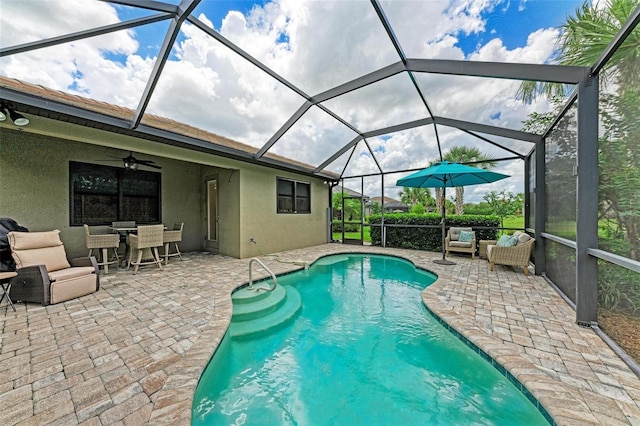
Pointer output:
424, 232
417, 209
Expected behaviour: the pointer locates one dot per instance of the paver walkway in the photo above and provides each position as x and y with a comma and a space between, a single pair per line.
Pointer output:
132, 353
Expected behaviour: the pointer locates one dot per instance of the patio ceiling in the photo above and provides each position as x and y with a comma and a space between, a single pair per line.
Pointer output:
322, 119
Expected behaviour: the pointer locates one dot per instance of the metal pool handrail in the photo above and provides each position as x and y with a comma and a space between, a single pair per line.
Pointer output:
275, 280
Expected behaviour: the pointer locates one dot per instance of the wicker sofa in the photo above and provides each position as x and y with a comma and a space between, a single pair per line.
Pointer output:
517, 255
452, 243
44, 274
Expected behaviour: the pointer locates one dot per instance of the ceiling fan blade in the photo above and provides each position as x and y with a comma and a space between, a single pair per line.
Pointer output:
148, 164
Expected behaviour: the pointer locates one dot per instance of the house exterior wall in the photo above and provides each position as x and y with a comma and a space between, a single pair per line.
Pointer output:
272, 231
34, 190
34, 187
228, 208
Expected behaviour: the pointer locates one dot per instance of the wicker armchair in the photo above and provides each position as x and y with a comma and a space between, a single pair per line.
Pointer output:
103, 242
517, 255
44, 274
174, 236
452, 243
144, 246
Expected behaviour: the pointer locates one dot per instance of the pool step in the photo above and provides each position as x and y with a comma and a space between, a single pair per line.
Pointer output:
247, 296
255, 312
249, 304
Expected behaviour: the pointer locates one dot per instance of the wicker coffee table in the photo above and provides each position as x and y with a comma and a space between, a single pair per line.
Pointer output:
482, 252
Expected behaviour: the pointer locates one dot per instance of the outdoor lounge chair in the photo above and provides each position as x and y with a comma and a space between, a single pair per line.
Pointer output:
517, 255
453, 242
44, 274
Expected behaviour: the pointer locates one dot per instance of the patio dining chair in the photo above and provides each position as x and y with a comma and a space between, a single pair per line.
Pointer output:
143, 245
174, 236
103, 242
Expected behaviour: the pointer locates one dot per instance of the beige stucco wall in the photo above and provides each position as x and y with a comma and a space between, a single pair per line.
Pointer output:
34, 190
34, 186
275, 232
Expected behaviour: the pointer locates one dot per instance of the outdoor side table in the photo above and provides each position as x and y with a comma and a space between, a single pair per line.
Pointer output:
482, 252
5, 282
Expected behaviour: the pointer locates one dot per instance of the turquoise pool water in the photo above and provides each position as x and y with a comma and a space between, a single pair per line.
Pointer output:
363, 351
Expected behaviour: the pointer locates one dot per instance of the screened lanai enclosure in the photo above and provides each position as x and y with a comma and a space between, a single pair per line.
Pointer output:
365, 92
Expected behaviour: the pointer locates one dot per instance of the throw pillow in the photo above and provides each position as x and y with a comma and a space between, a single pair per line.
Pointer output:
465, 236
523, 238
507, 241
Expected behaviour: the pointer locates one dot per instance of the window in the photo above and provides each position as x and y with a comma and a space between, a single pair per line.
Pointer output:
293, 196
100, 194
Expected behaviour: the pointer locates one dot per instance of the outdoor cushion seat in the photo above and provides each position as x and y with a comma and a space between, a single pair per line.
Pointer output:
68, 273
44, 274
517, 255
453, 241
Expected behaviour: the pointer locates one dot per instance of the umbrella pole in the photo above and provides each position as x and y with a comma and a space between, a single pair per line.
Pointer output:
444, 261
443, 233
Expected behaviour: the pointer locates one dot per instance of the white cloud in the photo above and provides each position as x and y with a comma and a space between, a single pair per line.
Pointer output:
80, 67
315, 45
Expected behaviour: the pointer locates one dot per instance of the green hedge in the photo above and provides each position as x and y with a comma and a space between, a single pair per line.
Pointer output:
336, 226
427, 238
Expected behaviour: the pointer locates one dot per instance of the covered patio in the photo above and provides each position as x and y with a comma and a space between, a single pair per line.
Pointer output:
133, 352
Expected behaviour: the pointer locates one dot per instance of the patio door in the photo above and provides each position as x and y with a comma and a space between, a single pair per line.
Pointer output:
213, 216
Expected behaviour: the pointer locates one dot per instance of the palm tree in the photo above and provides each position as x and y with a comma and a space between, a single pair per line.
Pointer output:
583, 39
415, 196
463, 154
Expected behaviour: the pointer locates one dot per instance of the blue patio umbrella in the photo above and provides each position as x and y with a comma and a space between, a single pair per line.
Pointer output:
445, 174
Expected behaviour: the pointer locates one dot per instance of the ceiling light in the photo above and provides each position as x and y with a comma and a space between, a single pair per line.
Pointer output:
130, 165
18, 119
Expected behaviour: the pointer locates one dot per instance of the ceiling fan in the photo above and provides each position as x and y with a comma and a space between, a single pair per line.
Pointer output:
132, 163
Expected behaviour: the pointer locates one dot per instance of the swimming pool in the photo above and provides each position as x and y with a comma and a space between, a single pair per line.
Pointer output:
363, 350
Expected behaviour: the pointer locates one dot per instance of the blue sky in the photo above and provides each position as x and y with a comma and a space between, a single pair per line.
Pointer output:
513, 22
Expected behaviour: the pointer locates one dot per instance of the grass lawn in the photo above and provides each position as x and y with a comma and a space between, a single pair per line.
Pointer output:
514, 222
354, 235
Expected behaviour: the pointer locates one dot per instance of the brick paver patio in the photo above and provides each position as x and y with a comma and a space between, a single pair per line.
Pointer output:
132, 353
